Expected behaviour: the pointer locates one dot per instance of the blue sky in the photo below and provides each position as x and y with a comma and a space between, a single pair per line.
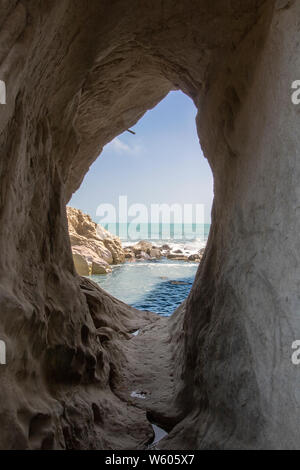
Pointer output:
162, 163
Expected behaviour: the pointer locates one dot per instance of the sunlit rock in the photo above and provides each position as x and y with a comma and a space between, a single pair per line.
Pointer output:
93, 242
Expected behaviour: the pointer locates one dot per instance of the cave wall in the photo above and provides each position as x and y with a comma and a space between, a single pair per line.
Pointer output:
78, 74
243, 312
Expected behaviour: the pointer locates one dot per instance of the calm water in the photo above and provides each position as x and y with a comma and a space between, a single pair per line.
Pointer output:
158, 286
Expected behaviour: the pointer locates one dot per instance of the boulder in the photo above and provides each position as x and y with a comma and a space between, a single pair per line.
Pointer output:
142, 255
194, 257
92, 241
81, 264
155, 253
100, 267
142, 246
166, 247
177, 257
114, 246
129, 254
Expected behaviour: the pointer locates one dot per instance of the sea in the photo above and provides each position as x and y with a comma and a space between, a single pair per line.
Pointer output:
158, 286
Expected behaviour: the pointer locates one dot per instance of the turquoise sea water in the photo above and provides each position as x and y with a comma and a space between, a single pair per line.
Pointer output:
159, 286
158, 233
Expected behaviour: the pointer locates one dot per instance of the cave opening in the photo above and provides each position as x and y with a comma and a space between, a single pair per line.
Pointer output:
151, 187
78, 74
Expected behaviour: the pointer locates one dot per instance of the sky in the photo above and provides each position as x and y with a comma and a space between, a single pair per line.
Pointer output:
162, 163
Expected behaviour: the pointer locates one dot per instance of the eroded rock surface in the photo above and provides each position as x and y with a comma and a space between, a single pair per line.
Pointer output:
77, 75
145, 250
92, 245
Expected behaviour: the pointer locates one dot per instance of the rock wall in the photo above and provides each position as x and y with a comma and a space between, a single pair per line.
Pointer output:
93, 247
78, 74
243, 312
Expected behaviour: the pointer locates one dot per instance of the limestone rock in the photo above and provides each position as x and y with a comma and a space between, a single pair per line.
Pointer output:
144, 250
81, 224
155, 253
129, 254
166, 247
177, 257
99, 267
193, 257
114, 246
142, 246
92, 241
142, 255
81, 264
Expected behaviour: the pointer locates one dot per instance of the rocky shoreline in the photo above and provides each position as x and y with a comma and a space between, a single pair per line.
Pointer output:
145, 250
95, 249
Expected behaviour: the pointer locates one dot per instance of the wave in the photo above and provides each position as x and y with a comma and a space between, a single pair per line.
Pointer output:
189, 247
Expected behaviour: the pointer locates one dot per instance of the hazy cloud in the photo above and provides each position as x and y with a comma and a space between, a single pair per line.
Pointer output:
121, 147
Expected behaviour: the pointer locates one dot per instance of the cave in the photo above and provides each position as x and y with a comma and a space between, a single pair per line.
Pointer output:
76, 75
